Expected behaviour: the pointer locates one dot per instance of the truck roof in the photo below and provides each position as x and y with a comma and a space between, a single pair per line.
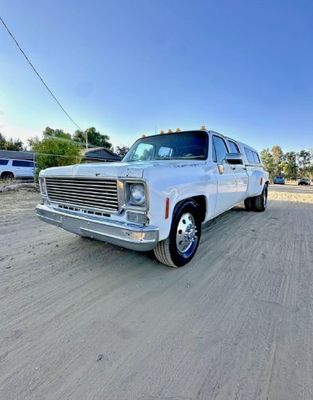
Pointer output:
208, 131
236, 141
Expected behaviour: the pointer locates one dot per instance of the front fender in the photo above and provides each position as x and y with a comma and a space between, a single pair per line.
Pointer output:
178, 185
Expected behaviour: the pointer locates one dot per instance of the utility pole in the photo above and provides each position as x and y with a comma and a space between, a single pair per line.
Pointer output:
86, 138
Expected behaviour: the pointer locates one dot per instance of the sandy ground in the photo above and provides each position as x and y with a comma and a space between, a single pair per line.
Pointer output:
81, 319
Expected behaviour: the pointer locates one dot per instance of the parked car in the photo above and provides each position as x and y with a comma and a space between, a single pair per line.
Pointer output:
304, 181
10, 169
279, 180
159, 195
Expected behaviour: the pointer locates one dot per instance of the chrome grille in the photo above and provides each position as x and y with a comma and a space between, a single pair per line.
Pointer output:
84, 192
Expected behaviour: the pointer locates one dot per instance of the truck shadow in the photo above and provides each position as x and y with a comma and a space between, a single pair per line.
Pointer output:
221, 226
217, 237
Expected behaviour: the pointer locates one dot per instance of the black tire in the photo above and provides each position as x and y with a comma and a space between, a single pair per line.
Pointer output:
7, 176
261, 200
257, 203
250, 203
167, 251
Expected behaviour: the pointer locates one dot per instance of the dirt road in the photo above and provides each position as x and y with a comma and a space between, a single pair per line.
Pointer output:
85, 320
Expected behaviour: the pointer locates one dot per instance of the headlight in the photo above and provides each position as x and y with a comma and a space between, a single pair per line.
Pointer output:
136, 194
42, 185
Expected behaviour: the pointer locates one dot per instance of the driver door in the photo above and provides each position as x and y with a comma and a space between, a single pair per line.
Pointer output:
226, 180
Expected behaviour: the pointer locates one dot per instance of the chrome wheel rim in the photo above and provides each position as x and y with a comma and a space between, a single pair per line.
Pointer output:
186, 236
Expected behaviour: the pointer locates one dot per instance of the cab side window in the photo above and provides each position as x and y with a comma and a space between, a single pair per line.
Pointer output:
219, 149
233, 147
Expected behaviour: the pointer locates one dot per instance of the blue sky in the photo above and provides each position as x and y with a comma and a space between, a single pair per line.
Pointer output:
243, 68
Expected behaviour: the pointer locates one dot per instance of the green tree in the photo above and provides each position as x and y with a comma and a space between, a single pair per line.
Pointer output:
268, 162
11, 144
305, 162
33, 141
57, 133
121, 150
310, 168
304, 159
277, 154
2, 142
290, 166
55, 152
95, 138
16, 145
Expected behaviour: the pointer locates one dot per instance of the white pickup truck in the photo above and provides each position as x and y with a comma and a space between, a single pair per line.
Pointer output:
158, 197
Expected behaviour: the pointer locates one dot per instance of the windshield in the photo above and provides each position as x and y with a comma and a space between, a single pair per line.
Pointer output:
191, 145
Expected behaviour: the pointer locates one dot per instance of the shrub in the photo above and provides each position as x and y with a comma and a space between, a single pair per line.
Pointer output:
55, 152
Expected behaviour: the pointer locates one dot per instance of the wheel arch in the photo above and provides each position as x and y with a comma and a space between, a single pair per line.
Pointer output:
200, 200
166, 250
4, 173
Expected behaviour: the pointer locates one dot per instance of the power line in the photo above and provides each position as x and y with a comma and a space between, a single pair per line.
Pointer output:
39, 76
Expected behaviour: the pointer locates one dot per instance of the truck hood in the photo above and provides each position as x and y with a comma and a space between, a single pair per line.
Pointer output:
116, 169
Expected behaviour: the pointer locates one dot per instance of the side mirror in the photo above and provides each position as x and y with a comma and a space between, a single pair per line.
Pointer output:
234, 158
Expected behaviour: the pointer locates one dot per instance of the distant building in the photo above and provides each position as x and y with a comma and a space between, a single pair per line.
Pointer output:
17, 155
99, 154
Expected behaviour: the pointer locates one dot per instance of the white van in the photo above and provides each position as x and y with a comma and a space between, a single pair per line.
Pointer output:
10, 169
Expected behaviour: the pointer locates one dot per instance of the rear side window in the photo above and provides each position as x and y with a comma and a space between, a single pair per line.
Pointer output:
233, 147
20, 163
4, 162
252, 156
256, 158
219, 149
249, 155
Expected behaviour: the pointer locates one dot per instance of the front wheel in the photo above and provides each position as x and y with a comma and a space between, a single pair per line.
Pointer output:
181, 245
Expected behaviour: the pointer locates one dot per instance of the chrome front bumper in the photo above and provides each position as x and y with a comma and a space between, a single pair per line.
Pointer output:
131, 236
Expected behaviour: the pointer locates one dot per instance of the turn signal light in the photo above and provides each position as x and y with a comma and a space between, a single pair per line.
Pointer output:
167, 207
